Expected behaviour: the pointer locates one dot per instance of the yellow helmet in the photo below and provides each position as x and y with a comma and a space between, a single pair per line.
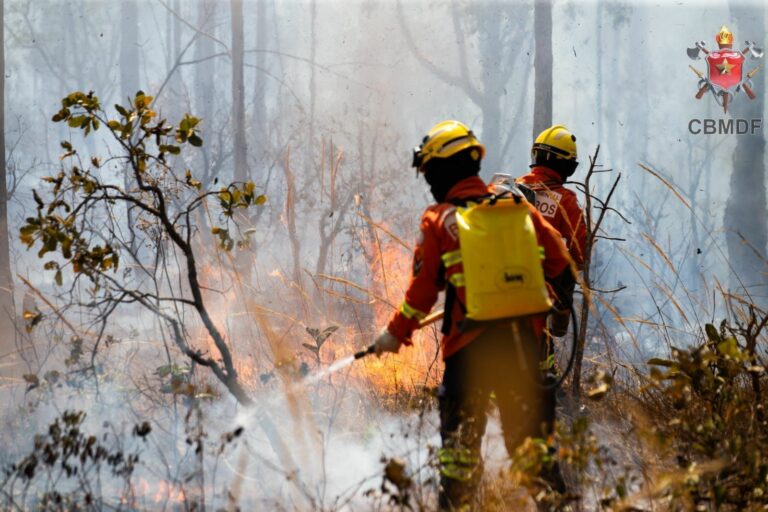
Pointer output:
557, 141
444, 140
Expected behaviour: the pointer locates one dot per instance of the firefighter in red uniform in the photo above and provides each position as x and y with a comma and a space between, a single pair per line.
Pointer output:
503, 357
553, 161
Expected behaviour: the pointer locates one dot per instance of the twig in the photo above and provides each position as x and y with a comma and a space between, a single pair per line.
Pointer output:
49, 304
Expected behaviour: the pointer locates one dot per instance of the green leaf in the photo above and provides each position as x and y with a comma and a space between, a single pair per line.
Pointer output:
660, 362
260, 200
28, 229
730, 348
169, 148
195, 140
58, 278
712, 333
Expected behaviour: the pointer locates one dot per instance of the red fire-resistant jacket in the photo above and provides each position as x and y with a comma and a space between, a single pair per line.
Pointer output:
560, 207
431, 270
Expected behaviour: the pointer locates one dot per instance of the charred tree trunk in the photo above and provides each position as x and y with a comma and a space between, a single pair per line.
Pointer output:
7, 308
238, 92
542, 80
745, 211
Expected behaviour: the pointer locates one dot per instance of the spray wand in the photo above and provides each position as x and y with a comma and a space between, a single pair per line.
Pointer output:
428, 320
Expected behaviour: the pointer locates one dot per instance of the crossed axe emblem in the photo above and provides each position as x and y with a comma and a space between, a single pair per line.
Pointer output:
724, 95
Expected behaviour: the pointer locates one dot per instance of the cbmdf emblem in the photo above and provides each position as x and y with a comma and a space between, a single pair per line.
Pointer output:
725, 76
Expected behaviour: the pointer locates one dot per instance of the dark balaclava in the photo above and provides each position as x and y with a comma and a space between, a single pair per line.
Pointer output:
564, 167
443, 173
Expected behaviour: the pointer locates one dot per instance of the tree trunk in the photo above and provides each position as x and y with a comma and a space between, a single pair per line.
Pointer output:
129, 50
205, 71
542, 80
7, 309
493, 88
312, 78
176, 32
259, 103
129, 79
491, 135
599, 79
745, 211
238, 92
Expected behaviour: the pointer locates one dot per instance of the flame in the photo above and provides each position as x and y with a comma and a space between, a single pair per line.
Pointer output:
390, 274
159, 491
272, 342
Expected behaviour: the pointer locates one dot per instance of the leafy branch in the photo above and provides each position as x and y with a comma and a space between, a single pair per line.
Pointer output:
68, 228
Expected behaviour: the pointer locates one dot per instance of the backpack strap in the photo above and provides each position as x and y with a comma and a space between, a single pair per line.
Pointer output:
450, 298
492, 198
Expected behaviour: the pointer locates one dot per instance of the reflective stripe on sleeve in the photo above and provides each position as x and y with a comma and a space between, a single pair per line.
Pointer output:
458, 464
457, 280
451, 258
409, 312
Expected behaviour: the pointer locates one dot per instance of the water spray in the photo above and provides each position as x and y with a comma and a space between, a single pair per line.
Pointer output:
343, 363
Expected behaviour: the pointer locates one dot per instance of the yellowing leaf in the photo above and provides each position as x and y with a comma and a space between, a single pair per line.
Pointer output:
598, 392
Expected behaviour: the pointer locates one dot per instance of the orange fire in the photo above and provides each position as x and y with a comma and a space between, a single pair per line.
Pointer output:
269, 341
159, 491
390, 274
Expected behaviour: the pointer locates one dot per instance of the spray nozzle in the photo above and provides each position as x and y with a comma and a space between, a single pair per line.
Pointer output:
368, 351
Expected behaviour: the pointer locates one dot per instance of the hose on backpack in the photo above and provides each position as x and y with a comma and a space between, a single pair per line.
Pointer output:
568, 367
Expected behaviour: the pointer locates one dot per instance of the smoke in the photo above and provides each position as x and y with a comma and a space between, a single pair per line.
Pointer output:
331, 114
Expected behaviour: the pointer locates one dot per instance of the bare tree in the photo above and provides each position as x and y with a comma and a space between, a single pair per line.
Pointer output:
129, 74
745, 211
595, 211
542, 81
260, 103
238, 91
7, 307
501, 49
